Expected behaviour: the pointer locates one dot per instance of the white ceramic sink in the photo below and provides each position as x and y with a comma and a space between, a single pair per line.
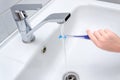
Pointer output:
82, 56
76, 55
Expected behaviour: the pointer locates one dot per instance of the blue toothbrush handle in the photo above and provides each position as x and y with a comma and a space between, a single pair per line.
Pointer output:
83, 36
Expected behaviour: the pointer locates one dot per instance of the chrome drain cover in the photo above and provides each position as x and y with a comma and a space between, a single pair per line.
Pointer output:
71, 76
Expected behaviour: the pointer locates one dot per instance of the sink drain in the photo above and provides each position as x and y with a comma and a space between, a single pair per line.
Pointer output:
44, 49
71, 76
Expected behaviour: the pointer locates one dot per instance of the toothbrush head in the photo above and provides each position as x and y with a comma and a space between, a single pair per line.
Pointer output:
60, 37
65, 36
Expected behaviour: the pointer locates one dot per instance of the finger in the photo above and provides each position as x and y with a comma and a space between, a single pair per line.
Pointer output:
92, 37
98, 35
109, 32
103, 33
112, 35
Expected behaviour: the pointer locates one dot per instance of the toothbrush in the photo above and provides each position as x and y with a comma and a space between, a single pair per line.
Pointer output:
75, 36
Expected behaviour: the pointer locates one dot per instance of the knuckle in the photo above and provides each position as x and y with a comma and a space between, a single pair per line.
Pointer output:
95, 32
99, 45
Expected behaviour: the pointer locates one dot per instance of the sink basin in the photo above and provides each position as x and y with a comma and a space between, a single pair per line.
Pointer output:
47, 65
83, 56
77, 55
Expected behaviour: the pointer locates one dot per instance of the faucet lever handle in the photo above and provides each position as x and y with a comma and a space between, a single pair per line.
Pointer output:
18, 10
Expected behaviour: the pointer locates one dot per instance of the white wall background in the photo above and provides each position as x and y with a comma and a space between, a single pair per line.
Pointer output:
7, 24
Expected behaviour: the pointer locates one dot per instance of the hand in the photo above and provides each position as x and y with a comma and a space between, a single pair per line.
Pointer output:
105, 39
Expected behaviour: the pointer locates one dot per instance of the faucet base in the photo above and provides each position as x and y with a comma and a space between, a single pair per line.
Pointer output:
29, 40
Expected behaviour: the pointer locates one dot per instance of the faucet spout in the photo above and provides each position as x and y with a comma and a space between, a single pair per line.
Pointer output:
59, 18
25, 29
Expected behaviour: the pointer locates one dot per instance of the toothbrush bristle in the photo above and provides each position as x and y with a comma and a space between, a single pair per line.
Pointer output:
65, 37
60, 36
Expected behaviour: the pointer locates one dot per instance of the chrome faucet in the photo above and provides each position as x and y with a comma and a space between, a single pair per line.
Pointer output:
23, 26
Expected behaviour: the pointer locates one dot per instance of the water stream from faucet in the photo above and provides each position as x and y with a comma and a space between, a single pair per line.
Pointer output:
62, 33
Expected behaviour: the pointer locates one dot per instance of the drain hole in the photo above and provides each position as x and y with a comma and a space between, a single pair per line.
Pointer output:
71, 76
44, 49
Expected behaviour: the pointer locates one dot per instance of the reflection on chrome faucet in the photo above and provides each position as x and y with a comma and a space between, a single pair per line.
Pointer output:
24, 28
